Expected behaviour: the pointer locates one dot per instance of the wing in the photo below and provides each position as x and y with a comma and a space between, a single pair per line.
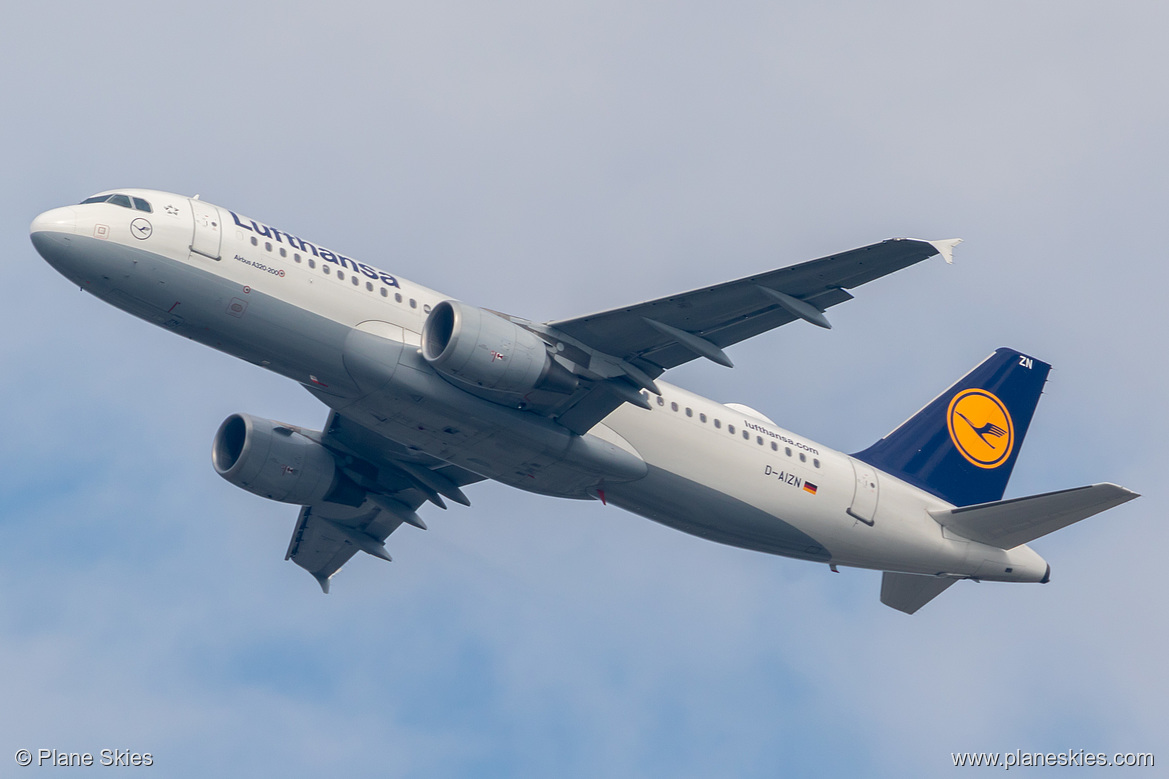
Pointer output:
394, 482
627, 348
736, 310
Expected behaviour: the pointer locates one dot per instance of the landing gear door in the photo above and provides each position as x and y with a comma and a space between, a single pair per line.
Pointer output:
865, 494
208, 233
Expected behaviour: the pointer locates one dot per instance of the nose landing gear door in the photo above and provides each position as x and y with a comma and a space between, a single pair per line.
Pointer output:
208, 234
864, 497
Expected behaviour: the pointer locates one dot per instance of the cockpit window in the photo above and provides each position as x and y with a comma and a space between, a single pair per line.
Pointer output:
120, 200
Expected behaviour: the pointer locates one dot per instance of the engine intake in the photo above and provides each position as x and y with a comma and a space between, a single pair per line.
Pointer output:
475, 347
276, 462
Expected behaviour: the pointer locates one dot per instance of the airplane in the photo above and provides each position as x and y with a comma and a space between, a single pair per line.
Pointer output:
428, 394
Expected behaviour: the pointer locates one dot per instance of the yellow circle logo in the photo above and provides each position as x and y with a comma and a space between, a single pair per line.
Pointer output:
980, 426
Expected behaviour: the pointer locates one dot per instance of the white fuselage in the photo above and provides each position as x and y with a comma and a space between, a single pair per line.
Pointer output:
349, 332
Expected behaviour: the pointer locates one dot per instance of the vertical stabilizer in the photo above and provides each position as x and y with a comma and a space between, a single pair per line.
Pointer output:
963, 445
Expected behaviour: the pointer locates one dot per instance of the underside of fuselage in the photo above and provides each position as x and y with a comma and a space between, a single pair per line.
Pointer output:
697, 509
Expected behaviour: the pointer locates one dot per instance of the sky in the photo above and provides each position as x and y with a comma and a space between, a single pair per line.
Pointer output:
549, 160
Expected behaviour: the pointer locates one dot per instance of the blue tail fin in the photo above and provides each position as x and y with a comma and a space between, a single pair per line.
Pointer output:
963, 445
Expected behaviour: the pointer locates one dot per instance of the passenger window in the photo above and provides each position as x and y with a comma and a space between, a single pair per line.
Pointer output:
255, 241
369, 286
746, 435
283, 252
816, 463
356, 281
142, 205
296, 257
413, 303
787, 450
312, 263
426, 309
673, 407
341, 275
267, 246
717, 424
803, 457
702, 418
774, 446
661, 401
325, 269
759, 440
385, 293
120, 200
731, 429
689, 412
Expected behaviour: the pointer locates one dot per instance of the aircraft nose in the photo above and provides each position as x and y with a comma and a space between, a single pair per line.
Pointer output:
52, 233
56, 220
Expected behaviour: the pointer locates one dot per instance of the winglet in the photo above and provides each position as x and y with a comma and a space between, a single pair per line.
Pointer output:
324, 582
945, 248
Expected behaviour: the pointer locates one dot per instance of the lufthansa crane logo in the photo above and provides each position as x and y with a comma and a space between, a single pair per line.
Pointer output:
141, 229
981, 428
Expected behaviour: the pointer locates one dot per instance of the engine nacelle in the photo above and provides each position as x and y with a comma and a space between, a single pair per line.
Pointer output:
276, 462
485, 351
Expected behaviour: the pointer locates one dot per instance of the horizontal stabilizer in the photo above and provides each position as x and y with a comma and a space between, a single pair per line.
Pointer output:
908, 592
1008, 523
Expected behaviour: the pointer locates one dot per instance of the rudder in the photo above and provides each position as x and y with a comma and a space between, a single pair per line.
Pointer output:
963, 445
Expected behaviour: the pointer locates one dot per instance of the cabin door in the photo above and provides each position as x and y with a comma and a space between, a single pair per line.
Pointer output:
865, 493
208, 229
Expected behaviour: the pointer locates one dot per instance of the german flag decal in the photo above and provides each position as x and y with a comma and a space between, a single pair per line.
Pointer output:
809, 487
